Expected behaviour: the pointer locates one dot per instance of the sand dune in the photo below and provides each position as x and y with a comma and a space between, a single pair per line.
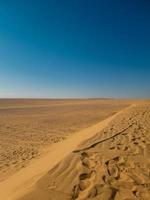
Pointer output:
109, 160
113, 164
19, 183
29, 127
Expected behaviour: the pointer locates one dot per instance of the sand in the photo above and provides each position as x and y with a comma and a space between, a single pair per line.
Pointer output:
29, 127
108, 160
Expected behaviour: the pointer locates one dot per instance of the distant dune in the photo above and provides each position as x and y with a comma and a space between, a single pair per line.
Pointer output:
108, 160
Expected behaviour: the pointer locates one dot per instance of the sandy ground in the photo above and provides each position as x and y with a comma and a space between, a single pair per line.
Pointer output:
29, 127
112, 165
109, 160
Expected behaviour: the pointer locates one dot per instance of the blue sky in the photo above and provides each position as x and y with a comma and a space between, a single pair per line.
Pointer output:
74, 48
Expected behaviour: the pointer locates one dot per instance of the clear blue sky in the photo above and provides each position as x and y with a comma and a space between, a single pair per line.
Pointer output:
74, 48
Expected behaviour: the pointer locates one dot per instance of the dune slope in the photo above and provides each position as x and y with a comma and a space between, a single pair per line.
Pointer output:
112, 165
22, 181
29, 127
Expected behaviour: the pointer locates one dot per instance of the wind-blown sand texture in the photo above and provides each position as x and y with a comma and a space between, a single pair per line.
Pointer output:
109, 160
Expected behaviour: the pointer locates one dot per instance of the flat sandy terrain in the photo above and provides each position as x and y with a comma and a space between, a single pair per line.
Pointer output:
102, 151
28, 127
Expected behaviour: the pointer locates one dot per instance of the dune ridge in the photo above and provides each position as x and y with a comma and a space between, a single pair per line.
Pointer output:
29, 127
114, 164
21, 182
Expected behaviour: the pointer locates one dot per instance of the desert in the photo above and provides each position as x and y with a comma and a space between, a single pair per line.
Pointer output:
74, 100
75, 149
28, 127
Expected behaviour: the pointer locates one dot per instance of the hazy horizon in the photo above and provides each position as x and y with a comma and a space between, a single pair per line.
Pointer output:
74, 49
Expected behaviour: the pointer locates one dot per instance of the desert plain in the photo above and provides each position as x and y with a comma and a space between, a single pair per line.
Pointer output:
94, 149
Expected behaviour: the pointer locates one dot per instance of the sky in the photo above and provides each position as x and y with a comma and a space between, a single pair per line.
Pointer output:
74, 48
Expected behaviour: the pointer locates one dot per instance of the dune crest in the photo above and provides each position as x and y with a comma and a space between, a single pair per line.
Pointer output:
112, 165
21, 182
